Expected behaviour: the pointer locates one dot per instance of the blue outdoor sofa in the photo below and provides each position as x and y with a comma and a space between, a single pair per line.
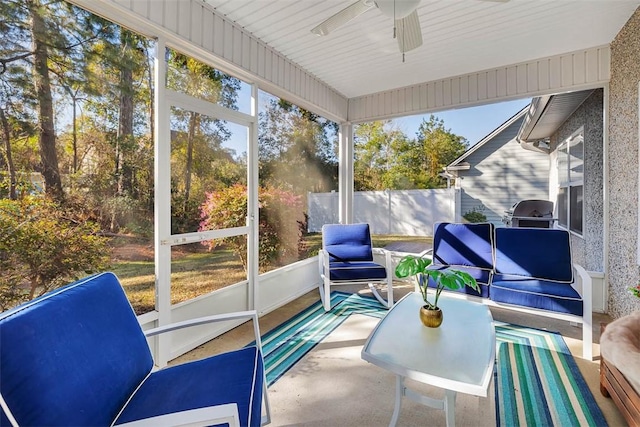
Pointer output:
77, 356
525, 269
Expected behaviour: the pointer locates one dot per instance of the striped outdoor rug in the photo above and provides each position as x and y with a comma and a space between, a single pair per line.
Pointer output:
537, 382
285, 345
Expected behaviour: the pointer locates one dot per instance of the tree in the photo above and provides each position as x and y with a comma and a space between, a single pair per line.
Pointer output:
41, 52
42, 246
41, 39
375, 146
200, 162
296, 148
421, 160
385, 158
8, 158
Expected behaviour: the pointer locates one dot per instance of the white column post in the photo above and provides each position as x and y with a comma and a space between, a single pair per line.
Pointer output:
162, 204
345, 173
252, 205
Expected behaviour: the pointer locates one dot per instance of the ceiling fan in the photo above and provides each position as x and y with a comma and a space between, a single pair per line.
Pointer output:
406, 22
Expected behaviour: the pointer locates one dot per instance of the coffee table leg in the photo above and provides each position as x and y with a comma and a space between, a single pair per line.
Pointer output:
450, 407
447, 404
398, 400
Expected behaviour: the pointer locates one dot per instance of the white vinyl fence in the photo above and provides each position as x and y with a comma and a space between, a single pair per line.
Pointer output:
399, 212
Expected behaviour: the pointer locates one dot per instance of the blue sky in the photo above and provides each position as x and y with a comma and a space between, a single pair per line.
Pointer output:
473, 123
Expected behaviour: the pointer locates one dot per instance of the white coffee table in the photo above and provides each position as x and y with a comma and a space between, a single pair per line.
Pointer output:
458, 356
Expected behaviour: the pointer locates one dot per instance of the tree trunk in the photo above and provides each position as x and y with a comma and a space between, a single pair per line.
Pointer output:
75, 135
193, 122
10, 167
125, 121
47, 136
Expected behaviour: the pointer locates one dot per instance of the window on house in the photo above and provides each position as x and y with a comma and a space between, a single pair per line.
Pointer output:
571, 182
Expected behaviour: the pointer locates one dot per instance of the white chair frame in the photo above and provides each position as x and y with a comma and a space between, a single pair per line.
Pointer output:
326, 282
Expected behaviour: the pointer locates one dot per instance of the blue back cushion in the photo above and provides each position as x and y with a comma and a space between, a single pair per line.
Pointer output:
347, 242
467, 245
534, 252
73, 356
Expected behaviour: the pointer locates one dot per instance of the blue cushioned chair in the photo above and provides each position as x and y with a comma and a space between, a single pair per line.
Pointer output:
346, 258
464, 247
534, 268
535, 281
77, 356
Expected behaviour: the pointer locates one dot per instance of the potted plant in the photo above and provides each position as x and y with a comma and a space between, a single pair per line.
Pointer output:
449, 278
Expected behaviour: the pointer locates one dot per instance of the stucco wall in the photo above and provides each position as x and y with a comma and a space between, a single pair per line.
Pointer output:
588, 248
623, 168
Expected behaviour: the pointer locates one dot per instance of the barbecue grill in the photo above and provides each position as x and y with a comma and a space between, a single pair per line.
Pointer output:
530, 213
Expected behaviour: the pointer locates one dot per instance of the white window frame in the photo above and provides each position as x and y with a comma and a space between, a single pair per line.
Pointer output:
567, 181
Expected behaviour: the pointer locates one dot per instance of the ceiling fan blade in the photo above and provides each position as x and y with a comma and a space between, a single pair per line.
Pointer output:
342, 17
408, 32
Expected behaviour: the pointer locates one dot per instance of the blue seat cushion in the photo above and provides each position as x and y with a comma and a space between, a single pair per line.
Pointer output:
469, 245
73, 356
233, 377
482, 278
536, 293
354, 271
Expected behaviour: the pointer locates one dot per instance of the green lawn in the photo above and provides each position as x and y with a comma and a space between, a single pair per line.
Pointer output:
194, 271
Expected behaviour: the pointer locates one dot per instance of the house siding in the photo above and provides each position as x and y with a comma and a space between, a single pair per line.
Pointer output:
501, 174
588, 248
622, 268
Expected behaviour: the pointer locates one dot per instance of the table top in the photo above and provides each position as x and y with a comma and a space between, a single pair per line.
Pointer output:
457, 356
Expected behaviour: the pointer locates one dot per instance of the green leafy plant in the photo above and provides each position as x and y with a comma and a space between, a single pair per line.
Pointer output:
635, 290
449, 278
475, 215
44, 245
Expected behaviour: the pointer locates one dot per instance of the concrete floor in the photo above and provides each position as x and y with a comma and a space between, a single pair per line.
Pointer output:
243, 335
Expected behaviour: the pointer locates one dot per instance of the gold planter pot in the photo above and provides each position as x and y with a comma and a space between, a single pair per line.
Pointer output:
430, 318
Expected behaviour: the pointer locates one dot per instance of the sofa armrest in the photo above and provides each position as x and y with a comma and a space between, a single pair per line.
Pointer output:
323, 261
212, 415
584, 286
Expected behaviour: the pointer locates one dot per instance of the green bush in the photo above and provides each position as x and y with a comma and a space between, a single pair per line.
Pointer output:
475, 215
280, 222
44, 246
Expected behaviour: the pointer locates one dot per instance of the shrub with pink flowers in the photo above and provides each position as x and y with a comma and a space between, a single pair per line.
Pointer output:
280, 222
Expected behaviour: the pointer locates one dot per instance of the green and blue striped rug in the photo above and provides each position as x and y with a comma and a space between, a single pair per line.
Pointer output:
537, 382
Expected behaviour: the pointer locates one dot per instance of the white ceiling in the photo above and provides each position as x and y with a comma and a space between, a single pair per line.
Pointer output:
460, 37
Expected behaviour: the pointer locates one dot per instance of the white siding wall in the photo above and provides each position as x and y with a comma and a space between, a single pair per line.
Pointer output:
503, 173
